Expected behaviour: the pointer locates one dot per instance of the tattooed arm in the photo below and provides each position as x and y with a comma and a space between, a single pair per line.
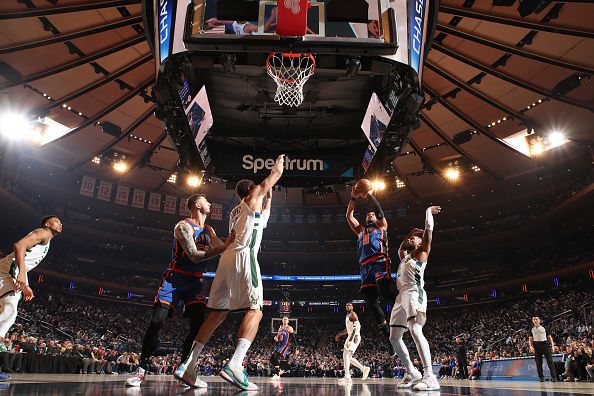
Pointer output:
185, 235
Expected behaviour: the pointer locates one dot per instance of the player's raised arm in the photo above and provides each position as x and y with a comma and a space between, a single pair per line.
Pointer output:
185, 235
424, 248
377, 209
350, 214
275, 174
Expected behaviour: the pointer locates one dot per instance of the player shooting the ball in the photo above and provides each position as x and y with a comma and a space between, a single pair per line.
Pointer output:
374, 262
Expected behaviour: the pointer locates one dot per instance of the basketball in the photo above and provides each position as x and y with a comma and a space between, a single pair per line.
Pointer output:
363, 186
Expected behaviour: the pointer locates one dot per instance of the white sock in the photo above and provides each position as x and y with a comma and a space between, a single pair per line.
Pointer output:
396, 334
422, 347
356, 363
346, 358
197, 347
242, 347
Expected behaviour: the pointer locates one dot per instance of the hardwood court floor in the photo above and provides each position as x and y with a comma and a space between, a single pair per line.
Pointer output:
62, 384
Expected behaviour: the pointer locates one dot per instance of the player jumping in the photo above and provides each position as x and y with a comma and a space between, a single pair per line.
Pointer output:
374, 262
28, 253
194, 243
353, 333
410, 308
237, 285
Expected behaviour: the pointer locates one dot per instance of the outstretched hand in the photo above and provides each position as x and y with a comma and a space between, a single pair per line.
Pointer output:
435, 209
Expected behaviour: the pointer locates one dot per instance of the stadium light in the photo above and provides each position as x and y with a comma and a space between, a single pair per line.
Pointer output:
378, 185
120, 166
400, 183
97, 160
537, 148
556, 138
173, 178
14, 126
452, 174
193, 181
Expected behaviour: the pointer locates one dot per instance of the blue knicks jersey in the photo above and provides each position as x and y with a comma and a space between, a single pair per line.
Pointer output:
372, 244
282, 345
180, 262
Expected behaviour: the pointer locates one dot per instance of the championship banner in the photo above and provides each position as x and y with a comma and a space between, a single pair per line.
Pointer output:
298, 215
216, 211
104, 193
138, 198
154, 203
122, 195
274, 213
170, 204
183, 208
311, 217
286, 216
87, 187
327, 216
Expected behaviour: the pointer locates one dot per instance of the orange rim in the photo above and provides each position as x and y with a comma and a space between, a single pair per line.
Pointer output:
291, 55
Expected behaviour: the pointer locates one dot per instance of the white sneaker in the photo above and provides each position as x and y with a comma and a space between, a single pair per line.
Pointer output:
410, 378
428, 383
366, 371
188, 374
345, 381
137, 379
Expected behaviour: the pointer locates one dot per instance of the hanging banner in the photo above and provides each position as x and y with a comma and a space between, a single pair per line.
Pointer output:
183, 208
138, 198
87, 186
122, 195
170, 204
154, 203
216, 211
104, 193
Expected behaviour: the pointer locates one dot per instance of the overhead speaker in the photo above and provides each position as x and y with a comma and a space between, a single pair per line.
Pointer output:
462, 137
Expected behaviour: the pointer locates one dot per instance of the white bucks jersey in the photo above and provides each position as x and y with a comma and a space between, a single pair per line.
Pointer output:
353, 328
411, 274
33, 257
248, 226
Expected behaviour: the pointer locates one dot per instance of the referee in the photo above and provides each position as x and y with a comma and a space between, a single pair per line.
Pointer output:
541, 343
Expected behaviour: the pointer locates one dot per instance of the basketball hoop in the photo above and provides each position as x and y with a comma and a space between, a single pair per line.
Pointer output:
290, 72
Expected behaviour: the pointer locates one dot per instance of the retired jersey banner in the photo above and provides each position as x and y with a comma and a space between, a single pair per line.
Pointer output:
170, 204
104, 193
87, 187
183, 208
154, 203
138, 198
216, 211
122, 195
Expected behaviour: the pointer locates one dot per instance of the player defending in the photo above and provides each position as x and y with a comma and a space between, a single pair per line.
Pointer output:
194, 243
28, 253
374, 262
410, 308
353, 333
283, 338
237, 285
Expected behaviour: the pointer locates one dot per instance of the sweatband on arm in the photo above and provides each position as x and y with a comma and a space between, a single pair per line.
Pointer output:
429, 223
379, 213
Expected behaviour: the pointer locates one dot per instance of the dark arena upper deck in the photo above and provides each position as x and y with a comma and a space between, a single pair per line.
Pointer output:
443, 147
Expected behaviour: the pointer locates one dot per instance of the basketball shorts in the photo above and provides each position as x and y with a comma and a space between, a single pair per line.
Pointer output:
237, 284
372, 272
409, 304
177, 288
351, 346
7, 284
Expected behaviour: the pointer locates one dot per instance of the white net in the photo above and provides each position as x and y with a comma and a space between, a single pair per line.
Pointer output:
290, 72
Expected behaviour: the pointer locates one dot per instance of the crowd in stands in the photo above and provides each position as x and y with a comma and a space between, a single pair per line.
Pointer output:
106, 336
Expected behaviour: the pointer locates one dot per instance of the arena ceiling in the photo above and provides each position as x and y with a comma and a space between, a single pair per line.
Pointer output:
87, 63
